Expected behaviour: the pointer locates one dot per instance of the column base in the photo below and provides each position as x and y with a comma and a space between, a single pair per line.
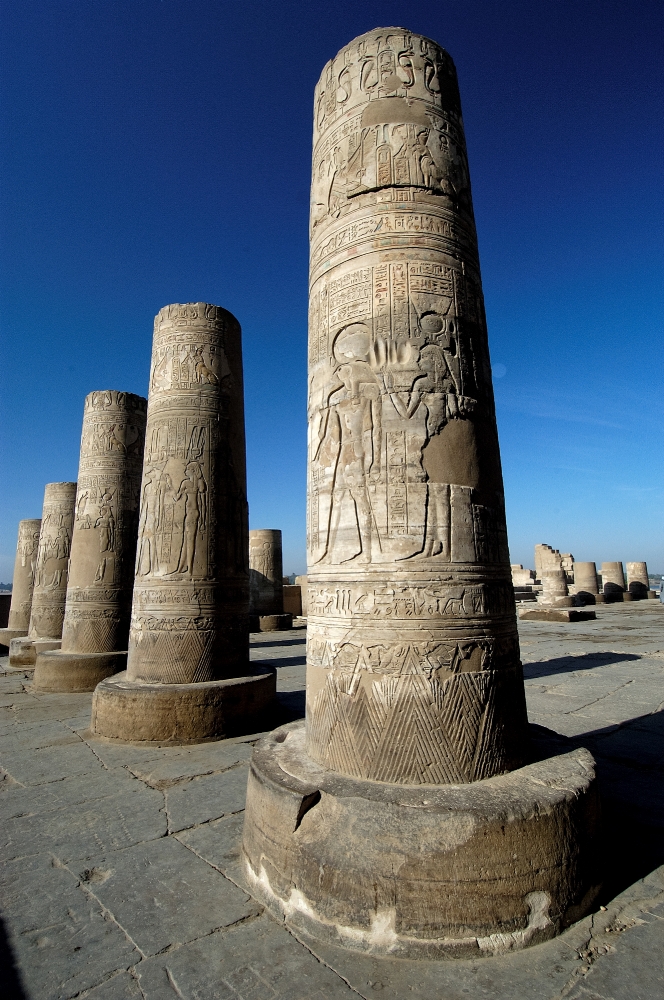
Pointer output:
428, 871
270, 623
59, 671
556, 614
23, 651
7, 634
136, 711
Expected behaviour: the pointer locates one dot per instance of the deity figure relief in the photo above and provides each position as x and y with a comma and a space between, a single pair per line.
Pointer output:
54, 557
156, 485
106, 524
349, 443
194, 490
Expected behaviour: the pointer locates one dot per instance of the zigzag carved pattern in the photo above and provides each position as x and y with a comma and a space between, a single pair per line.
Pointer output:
173, 657
97, 635
414, 730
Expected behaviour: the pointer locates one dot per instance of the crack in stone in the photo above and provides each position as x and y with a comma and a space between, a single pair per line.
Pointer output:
608, 694
105, 912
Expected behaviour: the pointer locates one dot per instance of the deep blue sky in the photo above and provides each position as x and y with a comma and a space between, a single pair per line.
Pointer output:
158, 151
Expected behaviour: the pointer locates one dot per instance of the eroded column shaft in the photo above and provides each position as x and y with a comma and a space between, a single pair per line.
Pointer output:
266, 574
23, 581
413, 671
51, 571
101, 571
191, 591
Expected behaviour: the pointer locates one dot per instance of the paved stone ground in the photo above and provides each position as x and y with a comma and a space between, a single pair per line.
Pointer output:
119, 872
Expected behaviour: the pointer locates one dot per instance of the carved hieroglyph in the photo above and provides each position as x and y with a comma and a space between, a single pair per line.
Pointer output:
101, 572
25, 568
50, 585
266, 581
191, 592
413, 671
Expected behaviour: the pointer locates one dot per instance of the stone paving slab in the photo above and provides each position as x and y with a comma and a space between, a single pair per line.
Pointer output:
120, 872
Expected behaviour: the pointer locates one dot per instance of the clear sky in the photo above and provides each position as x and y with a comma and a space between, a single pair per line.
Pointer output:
158, 151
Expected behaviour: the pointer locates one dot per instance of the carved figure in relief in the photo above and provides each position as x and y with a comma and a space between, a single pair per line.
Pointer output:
106, 524
156, 485
54, 556
194, 490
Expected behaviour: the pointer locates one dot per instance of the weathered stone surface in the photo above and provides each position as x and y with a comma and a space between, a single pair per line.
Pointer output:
271, 623
101, 566
24, 576
190, 612
293, 600
638, 583
126, 710
389, 824
556, 614
410, 607
101, 572
190, 605
600, 683
301, 582
50, 586
265, 572
613, 580
464, 870
144, 886
56, 670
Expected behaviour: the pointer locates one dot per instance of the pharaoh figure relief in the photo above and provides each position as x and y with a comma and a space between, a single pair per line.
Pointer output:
413, 660
190, 605
101, 571
52, 563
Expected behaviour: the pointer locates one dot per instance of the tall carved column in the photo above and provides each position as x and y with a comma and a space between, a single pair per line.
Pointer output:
266, 582
188, 675
101, 571
415, 696
23, 581
50, 576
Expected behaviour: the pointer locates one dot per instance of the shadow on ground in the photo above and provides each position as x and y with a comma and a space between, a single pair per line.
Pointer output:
12, 988
300, 641
630, 771
568, 664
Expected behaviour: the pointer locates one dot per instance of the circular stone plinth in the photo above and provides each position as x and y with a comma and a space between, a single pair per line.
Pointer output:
58, 671
428, 871
274, 623
134, 711
7, 634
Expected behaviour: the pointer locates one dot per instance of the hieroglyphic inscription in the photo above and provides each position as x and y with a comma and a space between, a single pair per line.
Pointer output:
104, 538
25, 567
407, 546
52, 565
190, 606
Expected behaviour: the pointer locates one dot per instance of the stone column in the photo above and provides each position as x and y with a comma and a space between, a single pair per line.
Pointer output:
266, 603
101, 571
585, 582
188, 675
414, 684
301, 582
613, 581
638, 584
50, 578
23, 581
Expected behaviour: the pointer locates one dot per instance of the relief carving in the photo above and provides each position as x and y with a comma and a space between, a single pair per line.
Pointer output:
405, 518
190, 595
52, 562
104, 537
25, 568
